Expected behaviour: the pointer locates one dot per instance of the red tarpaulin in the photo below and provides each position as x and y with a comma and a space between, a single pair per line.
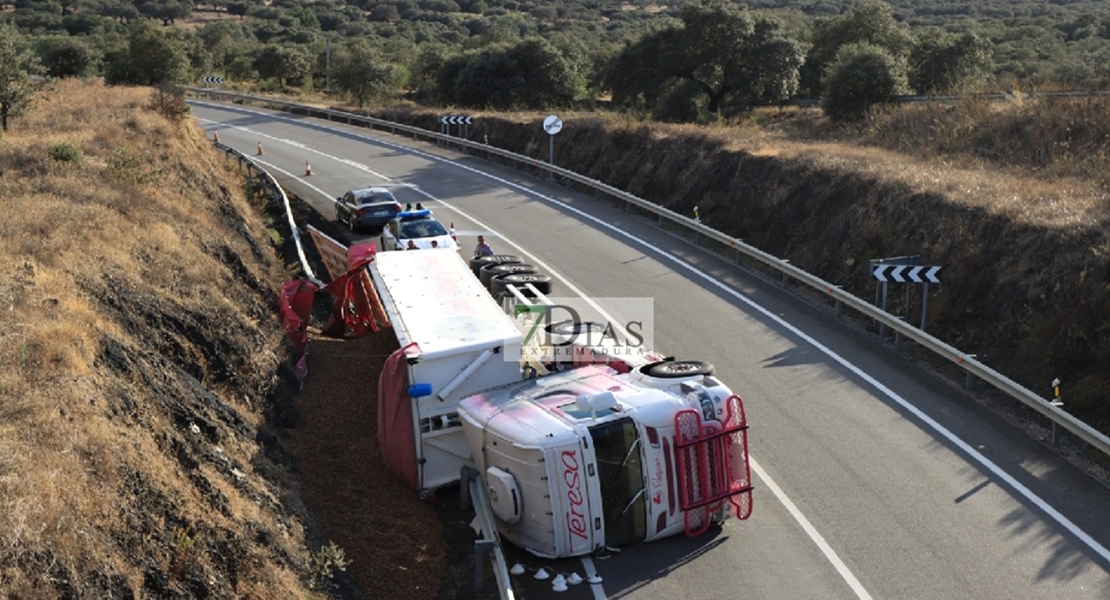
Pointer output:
295, 304
396, 437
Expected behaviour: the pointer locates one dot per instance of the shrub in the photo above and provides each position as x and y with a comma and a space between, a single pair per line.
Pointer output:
862, 75
65, 152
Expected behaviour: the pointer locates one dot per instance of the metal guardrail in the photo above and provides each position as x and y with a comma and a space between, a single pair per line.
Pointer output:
473, 491
271, 184
963, 360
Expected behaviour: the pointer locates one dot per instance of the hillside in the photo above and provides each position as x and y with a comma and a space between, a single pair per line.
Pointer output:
145, 398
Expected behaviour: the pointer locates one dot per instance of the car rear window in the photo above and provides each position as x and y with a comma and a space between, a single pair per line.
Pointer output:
421, 229
375, 198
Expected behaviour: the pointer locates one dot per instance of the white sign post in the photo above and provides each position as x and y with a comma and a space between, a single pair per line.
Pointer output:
552, 125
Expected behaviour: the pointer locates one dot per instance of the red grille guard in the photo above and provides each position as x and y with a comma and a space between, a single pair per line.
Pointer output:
713, 465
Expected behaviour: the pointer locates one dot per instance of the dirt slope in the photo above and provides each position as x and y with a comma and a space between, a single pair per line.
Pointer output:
146, 391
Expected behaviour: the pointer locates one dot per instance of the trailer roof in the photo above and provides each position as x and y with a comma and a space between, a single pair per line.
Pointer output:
436, 301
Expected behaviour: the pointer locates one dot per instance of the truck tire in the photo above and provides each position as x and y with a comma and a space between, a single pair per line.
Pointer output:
497, 284
569, 331
478, 262
678, 369
490, 271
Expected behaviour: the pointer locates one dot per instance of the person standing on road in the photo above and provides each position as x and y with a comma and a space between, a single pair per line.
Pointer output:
482, 249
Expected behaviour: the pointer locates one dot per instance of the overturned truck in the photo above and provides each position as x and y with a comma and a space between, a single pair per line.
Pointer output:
579, 450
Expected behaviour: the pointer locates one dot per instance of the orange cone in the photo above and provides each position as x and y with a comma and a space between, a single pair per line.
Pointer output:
215, 136
307, 169
260, 152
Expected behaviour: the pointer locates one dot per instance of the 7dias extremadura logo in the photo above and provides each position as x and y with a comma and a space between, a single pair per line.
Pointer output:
569, 327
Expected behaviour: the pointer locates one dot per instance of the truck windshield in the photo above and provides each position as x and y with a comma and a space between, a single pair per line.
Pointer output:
621, 477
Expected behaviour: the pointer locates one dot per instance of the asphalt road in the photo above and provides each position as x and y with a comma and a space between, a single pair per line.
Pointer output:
873, 479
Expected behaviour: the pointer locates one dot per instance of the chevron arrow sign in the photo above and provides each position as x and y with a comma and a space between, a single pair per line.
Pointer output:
456, 120
906, 273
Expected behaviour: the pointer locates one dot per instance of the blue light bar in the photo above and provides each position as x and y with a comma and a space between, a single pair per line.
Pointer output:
410, 214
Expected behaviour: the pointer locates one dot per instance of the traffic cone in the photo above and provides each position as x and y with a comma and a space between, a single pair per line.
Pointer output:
307, 169
260, 152
215, 136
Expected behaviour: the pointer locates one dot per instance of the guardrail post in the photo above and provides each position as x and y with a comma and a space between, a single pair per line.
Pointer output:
482, 548
969, 381
785, 277
836, 302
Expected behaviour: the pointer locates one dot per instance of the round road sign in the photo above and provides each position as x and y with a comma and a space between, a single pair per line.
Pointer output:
552, 125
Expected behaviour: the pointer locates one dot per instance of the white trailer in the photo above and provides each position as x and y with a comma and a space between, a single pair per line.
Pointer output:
456, 341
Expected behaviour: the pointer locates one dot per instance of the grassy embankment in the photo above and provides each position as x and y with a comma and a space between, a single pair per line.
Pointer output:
140, 351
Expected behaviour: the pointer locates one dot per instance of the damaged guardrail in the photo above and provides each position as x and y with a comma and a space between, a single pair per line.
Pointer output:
1060, 419
270, 184
474, 492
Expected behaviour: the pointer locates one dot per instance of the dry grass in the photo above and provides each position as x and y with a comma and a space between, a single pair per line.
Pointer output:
121, 293
1044, 162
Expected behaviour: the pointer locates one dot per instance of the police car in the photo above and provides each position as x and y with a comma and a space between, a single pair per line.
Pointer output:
416, 230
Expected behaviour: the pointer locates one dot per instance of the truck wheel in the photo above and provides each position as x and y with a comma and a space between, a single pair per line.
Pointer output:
583, 332
478, 262
498, 284
490, 271
677, 369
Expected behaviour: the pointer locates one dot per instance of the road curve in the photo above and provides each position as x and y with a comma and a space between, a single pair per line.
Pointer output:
874, 480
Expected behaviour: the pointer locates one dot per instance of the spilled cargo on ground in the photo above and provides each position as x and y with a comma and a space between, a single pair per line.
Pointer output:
580, 447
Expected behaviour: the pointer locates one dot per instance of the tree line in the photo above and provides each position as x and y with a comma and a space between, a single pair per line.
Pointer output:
701, 60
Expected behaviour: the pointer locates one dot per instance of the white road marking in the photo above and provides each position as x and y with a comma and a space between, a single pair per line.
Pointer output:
967, 449
588, 566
